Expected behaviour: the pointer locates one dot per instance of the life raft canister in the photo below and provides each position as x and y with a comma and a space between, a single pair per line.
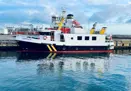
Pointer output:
45, 37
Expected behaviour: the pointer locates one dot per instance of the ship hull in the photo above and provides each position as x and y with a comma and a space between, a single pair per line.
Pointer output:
35, 47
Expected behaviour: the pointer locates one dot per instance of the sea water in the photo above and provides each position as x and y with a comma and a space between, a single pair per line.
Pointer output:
65, 72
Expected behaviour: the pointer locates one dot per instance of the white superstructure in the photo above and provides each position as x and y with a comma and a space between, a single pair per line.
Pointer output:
66, 34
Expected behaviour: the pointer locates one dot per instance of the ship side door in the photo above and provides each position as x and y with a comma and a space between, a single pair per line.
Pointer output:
52, 35
62, 39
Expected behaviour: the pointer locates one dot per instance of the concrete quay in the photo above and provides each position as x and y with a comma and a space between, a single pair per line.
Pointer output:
122, 41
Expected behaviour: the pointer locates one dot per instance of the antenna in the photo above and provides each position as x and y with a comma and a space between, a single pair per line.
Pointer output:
63, 11
94, 25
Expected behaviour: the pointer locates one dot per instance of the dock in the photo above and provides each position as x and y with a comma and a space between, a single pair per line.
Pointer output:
7, 42
122, 42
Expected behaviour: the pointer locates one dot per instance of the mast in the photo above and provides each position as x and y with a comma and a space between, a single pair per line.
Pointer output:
62, 20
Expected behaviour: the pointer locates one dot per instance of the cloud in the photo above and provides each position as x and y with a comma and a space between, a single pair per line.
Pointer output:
16, 11
113, 14
129, 2
100, 2
96, 2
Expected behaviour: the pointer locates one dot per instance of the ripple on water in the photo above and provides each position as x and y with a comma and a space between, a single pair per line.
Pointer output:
87, 72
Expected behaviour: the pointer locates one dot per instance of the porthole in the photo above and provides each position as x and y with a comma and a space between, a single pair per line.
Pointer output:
71, 38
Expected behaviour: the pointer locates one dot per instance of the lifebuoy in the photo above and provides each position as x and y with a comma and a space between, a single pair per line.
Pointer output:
45, 37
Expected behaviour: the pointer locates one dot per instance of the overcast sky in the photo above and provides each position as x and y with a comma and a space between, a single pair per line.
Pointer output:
85, 11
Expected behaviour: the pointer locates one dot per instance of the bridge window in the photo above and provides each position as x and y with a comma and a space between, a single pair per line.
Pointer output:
35, 38
86, 37
79, 38
45, 33
94, 38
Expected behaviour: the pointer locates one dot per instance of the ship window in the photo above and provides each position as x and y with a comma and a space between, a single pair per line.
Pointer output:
71, 38
86, 37
28, 37
93, 38
79, 38
35, 38
44, 33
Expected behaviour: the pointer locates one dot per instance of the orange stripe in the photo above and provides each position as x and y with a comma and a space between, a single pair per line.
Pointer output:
87, 51
99, 51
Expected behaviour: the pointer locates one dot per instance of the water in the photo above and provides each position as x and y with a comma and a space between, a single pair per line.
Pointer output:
65, 72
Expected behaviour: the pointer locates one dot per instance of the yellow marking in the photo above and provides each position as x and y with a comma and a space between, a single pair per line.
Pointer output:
53, 56
49, 56
100, 72
61, 23
53, 48
49, 48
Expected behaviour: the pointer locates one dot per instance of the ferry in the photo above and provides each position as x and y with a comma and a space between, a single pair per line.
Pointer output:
66, 35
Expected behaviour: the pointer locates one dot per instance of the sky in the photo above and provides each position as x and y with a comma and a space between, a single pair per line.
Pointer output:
85, 11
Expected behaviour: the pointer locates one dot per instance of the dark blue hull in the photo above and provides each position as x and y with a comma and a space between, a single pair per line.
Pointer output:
27, 46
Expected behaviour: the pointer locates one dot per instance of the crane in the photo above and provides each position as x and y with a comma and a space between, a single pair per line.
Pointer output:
60, 24
103, 30
92, 31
